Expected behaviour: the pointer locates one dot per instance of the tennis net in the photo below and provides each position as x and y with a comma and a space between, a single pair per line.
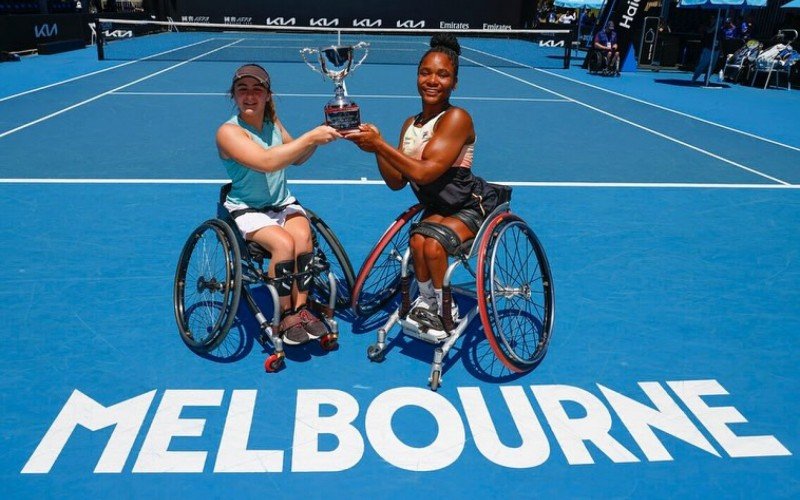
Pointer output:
180, 41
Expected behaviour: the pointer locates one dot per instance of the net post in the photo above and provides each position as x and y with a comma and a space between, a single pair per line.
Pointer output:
99, 39
568, 47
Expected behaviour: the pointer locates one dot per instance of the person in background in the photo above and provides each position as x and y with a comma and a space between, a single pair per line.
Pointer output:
746, 29
605, 41
255, 149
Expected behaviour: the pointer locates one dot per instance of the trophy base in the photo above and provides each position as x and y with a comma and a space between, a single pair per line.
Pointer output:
343, 118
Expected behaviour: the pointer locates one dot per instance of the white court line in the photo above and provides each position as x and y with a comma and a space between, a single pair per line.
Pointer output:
681, 113
365, 182
64, 110
360, 96
641, 101
97, 72
631, 123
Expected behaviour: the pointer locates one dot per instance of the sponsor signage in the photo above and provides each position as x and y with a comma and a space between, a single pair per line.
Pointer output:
26, 32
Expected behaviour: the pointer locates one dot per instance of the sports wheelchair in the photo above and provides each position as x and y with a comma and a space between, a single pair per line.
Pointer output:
596, 63
513, 287
217, 267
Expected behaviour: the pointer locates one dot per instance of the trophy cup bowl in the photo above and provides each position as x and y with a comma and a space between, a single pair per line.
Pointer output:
336, 62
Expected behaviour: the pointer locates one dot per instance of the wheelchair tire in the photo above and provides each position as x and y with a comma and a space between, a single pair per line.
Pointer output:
208, 285
379, 278
515, 293
330, 252
596, 62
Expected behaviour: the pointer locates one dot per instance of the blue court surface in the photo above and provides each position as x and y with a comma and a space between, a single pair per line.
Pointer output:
669, 214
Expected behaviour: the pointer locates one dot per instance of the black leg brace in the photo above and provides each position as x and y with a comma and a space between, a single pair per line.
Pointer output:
284, 276
439, 232
304, 271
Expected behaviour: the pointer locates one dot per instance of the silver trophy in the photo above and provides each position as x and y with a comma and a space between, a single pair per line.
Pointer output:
336, 62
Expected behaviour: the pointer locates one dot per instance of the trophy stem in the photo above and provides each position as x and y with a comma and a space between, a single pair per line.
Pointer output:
338, 91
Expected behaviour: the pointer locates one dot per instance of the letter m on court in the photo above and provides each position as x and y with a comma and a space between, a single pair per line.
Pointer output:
80, 409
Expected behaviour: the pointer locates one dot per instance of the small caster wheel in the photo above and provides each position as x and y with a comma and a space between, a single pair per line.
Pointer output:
436, 380
274, 363
329, 342
374, 353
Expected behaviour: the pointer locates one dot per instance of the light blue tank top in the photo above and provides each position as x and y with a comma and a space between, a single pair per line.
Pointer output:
251, 187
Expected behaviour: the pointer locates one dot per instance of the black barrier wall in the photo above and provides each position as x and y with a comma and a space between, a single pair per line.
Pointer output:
28, 31
429, 14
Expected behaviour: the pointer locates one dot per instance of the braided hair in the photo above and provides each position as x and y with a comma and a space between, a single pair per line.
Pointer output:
447, 44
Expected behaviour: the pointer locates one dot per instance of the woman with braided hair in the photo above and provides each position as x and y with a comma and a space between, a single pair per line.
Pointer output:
434, 156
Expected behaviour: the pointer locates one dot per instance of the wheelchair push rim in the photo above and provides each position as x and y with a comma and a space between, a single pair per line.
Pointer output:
207, 286
378, 279
515, 293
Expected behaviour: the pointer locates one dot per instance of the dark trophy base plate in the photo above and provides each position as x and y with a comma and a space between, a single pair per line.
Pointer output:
343, 117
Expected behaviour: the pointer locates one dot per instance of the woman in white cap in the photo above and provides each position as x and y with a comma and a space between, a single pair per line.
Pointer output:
256, 149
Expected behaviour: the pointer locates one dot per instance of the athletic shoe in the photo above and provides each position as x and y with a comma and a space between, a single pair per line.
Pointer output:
314, 327
292, 331
429, 304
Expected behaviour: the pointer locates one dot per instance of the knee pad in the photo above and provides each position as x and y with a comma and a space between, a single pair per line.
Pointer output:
284, 276
305, 273
439, 232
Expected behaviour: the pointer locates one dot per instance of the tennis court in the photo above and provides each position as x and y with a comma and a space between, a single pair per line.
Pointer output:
668, 213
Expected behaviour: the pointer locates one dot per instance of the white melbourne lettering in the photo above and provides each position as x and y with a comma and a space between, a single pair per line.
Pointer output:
367, 23
410, 23
45, 30
322, 21
315, 423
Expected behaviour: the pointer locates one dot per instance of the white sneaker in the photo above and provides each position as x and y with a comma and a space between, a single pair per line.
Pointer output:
424, 302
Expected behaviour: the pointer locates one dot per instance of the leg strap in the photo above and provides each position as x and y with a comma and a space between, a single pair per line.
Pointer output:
304, 271
439, 232
284, 276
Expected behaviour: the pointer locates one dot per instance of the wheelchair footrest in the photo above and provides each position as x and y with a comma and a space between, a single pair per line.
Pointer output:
320, 309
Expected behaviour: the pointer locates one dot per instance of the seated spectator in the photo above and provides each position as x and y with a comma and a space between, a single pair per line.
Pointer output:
746, 29
605, 41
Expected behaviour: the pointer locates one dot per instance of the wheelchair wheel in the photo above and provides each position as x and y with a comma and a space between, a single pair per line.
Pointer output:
515, 292
596, 62
329, 253
379, 278
208, 285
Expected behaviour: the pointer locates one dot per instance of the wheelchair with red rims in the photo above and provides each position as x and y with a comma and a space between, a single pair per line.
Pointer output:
217, 267
508, 275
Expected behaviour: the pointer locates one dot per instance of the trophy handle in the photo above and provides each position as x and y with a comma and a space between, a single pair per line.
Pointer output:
307, 51
360, 45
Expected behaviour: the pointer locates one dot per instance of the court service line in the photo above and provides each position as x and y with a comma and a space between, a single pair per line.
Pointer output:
98, 72
631, 123
68, 108
366, 182
359, 96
